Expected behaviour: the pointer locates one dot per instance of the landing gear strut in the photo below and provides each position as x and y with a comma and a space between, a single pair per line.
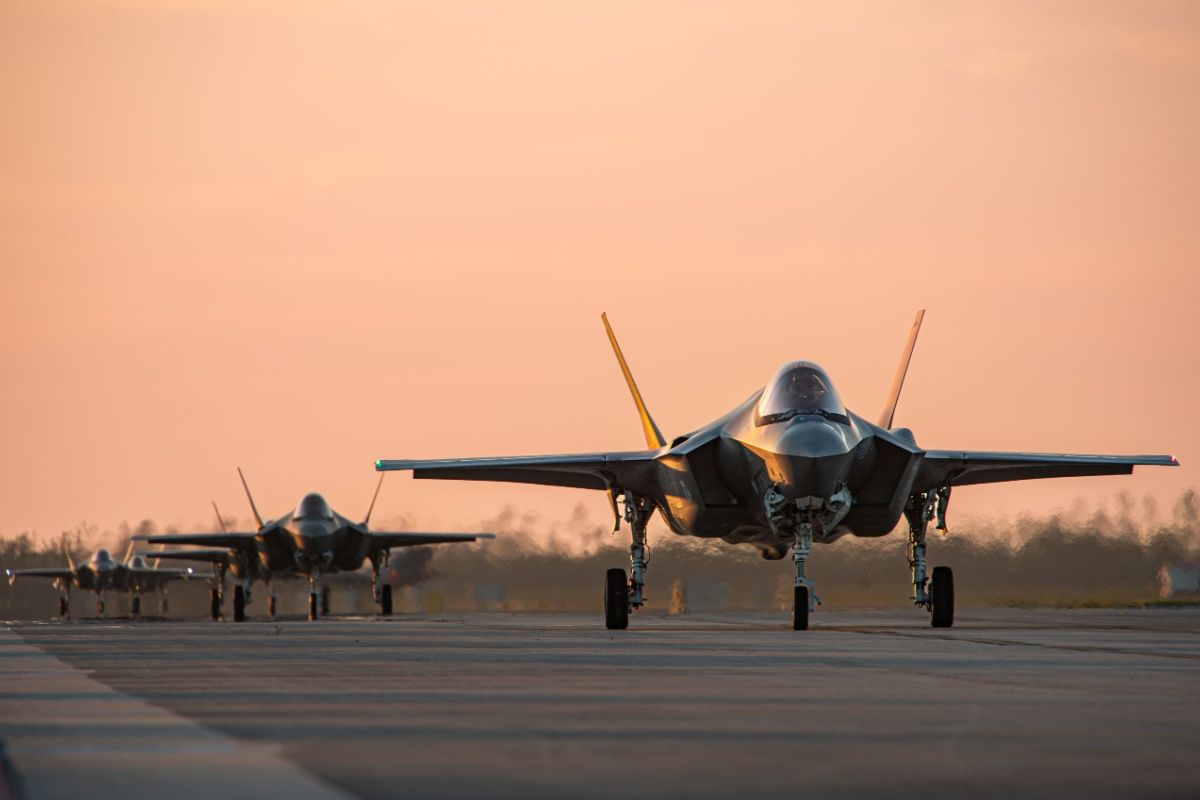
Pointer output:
799, 518
938, 597
623, 595
214, 601
381, 590
802, 594
314, 595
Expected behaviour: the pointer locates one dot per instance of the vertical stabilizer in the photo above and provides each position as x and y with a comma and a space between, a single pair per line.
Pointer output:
374, 497
654, 439
249, 497
889, 408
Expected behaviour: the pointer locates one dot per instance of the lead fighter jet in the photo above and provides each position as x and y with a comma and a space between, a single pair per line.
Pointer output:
311, 541
788, 467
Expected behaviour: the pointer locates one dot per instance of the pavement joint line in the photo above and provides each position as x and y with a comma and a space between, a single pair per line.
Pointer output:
1014, 643
50, 716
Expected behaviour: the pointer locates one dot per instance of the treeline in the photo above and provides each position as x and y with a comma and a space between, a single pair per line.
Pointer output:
1076, 558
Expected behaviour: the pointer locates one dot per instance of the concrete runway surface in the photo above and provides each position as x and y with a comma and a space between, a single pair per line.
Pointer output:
1041, 703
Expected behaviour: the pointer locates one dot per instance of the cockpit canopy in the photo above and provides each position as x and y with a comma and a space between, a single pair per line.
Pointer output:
137, 562
102, 556
313, 506
800, 387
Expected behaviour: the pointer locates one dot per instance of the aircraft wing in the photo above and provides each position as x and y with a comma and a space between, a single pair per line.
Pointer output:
965, 467
390, 539
233, 540
217, 555
163, 574
583, 471
60, 572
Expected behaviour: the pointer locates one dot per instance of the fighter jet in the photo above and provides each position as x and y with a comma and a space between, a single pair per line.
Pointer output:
102, 573
311, 541
788, 467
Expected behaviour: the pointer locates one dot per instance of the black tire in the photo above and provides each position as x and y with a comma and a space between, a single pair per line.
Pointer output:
941, 598
100, 608
616, 600
63, 606
325, 603
214, 601
164, 606
385, 601
239, 604
314, 603
800, 608
271, 606
135, 606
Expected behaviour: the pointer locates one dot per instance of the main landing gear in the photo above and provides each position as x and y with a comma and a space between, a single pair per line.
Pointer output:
314, 596
938, 597
240, 598
622, 595
214, 602
381, 590
135, 605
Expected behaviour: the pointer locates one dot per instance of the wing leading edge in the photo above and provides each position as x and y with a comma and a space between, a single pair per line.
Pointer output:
233, 539
390, 539
966, 467
583, 471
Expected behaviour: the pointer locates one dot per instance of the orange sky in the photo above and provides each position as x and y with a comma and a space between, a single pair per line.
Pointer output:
299, 237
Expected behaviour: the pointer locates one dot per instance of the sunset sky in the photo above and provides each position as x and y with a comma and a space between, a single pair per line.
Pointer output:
298, 237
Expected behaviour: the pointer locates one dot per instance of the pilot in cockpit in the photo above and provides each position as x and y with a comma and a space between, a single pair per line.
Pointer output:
805, 389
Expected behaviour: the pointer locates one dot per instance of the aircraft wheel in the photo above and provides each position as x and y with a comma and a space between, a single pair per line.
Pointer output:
214, 599
62, 606
239, 604
616, 600
385, 601
135, 606
163, 606
271, 606
100, 608
325, 603
800, 609
941, 598
313, 606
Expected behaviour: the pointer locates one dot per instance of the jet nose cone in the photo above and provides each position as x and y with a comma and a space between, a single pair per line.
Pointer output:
813, 439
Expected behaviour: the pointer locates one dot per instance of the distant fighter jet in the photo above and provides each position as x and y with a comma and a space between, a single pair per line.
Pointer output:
101, 573
789, 466
311, 541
